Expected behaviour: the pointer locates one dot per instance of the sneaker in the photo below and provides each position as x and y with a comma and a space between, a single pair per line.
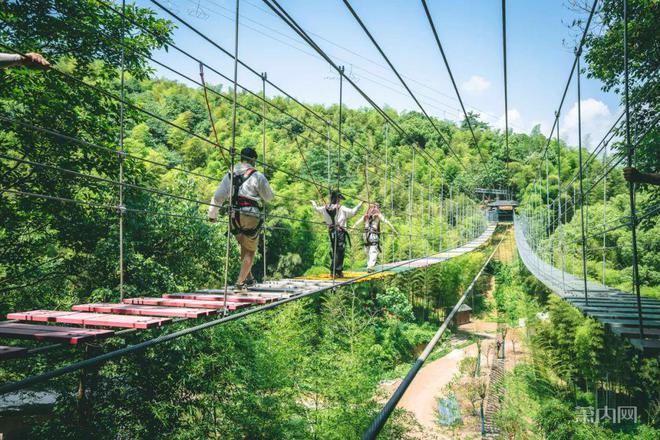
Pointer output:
370, 270
250, 281
339, 275
241, 288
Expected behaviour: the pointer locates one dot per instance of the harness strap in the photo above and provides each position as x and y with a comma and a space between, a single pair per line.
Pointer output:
239, 202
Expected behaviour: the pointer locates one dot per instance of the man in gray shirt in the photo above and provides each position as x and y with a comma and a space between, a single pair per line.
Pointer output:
250, 190
30, 60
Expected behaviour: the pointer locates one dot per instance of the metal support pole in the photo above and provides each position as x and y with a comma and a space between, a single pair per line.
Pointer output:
631, 186
581, 173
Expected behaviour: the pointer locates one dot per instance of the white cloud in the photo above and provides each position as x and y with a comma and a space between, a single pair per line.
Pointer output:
476, 84
515, 118
596, 120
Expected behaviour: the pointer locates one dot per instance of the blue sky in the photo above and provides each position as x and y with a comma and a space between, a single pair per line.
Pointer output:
539, 56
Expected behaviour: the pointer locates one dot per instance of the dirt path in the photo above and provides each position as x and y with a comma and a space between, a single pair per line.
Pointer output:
420, 397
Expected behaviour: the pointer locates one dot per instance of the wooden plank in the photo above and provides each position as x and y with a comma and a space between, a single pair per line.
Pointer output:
142, 310
624, 315
171, 302
628, 322
95, 319
634, 331
607, 309
7, 352
256, 299
645, 344
613, 303
51, 333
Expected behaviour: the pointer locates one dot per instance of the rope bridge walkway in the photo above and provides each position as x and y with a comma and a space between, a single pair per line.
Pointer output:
147, 313
614, 308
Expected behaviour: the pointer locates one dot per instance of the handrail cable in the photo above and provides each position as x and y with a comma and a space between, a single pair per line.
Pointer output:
141, 346
379, 421
403, 82
294, 25
451, 75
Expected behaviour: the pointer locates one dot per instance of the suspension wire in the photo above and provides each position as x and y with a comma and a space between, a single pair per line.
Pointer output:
116, 182
243, 64
562, 236
264, 76
106, 149
275, 7
208, 109
604, 212
506, 91
410, 206
121, 207
161, 119
317, 186
575, 61
451, 77
631, 185
232, 156
133, 186
339, 132
144, 345
403, 82
379, 421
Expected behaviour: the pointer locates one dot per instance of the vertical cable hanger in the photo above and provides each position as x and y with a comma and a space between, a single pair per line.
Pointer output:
210, 114
410, 205
581, 170
562, 237
264, 78
630, 157
121, 209
604, 209
339, 133
506, 86
232, 153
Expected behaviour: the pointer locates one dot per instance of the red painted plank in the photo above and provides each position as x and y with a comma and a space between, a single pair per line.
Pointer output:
51, 333
184, 303
11, 352
96, 319
142, 310
255, 299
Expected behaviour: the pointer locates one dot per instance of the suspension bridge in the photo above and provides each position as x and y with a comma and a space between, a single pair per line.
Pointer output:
626, 314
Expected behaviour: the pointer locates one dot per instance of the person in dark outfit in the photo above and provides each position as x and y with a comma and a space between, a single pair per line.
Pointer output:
336, 217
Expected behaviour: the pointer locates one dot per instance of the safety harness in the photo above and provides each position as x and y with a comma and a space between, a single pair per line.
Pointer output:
334, 227
239, 202
371, 234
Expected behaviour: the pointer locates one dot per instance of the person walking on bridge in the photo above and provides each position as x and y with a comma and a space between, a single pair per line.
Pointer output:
336, 217
371, 233
249, 191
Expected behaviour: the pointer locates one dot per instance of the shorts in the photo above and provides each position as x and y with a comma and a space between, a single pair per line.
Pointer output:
248, 242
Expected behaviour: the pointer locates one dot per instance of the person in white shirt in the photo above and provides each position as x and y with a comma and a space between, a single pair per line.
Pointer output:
371, 234
250, 191
30, 60
336, 217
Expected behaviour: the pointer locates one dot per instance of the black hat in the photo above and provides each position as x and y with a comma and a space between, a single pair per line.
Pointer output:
248, 154
335, 196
